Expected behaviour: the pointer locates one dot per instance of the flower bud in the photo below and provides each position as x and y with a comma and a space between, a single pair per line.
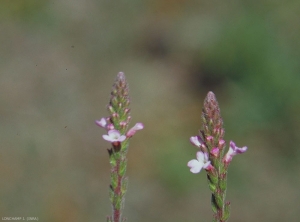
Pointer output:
215, 152
221, 144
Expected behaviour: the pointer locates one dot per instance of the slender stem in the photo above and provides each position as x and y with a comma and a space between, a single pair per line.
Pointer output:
117, 211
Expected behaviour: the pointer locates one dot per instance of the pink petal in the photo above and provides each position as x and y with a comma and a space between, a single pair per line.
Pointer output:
132, 131
192, 163
139, 126
207, 164
114, 133
102, 122
195, 141
241, 150
237, 149
107, 138
122, 138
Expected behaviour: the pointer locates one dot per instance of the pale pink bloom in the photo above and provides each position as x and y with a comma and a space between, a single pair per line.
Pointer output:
132, 131
196, 140
114, 136
102, 122
233, 150
201, 162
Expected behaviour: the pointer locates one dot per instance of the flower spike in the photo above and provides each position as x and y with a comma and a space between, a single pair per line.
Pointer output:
116, 126
212, 156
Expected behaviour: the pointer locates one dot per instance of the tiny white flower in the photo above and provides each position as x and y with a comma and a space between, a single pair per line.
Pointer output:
201, 162
114, 136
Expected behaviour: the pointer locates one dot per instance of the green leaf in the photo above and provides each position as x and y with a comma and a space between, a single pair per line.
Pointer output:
219, 200
112, 161
214, 204
114, 180
223, 184
123, 166
212, 187
226, 212
124, 186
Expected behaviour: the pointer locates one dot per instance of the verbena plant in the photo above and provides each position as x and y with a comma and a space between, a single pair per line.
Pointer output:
212, 155
116, 125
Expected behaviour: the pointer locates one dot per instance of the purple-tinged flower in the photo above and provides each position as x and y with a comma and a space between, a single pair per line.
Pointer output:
114, 136
201, 162
196, 140
132, 131
233, 150
102, 122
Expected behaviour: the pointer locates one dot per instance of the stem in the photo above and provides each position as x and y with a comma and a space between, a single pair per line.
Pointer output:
116, 210
118, 180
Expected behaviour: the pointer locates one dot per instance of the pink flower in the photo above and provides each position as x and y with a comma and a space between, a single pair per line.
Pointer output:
201, 162
233, 150
132, 131
114, 136
102, 122
196, 140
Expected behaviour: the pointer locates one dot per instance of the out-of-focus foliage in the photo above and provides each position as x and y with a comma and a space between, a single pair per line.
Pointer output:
58, 60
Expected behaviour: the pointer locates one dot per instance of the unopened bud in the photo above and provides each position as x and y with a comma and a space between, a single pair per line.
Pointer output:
110, 109
123, 124
215, 152
221, 144
110, 127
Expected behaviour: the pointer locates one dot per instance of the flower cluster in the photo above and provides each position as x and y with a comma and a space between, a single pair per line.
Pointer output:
114, 136
212, 156
202, 157
117, 123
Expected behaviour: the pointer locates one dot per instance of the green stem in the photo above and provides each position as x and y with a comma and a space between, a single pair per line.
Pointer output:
118, 181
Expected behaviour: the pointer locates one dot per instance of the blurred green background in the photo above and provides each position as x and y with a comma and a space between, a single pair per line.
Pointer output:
58, 61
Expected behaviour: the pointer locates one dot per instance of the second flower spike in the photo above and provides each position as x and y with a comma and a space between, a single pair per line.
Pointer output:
212, 157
